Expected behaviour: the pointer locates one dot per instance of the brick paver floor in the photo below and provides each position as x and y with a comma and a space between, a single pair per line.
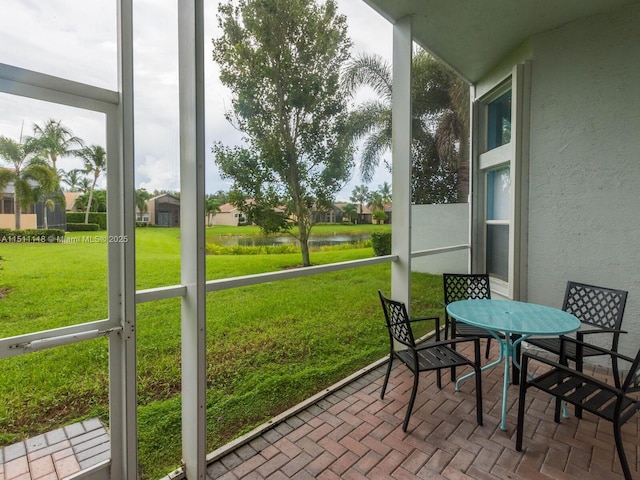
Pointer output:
353, 434
56, 454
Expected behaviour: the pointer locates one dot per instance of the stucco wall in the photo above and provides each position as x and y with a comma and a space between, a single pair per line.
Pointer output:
584, 207
434, 226
27, 220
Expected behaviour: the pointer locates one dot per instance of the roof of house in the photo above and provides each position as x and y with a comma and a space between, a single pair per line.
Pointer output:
227, 208
70, 198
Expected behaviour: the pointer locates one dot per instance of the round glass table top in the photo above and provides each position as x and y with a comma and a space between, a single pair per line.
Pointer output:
514, 317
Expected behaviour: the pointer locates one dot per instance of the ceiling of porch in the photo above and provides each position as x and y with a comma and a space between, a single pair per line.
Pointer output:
472, 36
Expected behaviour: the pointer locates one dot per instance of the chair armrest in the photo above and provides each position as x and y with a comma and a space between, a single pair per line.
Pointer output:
600, 330
579, 343
421, 319
526, 356
450, 341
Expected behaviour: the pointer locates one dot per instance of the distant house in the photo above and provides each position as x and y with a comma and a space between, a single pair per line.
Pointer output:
229, 215
28, 218
164, 210
70, 201
333, 215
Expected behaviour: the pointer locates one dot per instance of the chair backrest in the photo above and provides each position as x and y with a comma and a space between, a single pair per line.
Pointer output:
596, 306
461, 286
397, 318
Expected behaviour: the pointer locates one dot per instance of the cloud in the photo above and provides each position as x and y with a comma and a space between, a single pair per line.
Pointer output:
77, 40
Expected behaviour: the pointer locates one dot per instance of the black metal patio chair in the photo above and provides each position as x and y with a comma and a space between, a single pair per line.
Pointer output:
458, 286
600, 311
612, 403
425, 356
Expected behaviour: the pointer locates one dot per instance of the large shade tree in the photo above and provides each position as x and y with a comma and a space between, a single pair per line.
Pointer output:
282, 61
440, 114
30, 176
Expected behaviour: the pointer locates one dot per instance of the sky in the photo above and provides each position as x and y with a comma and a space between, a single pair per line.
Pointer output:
76, 39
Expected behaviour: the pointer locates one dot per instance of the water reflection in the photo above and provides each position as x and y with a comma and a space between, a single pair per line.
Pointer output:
261, 241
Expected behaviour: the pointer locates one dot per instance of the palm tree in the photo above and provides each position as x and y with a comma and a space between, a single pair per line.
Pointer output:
47, 206
95, 161
350, 211
84, 185
141, 200
72, 178
54, 140
375, 201
385, 192
439, 111
360, 195
30, 176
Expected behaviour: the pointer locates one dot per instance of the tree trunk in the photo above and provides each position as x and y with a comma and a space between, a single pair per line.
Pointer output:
86, 214
304, 241
16, 209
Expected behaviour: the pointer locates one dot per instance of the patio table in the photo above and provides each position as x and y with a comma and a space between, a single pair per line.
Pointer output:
511, 317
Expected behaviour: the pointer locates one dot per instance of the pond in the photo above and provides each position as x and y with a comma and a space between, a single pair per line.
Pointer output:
260, 241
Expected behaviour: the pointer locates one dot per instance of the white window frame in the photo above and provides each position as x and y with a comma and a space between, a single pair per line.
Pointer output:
514, 155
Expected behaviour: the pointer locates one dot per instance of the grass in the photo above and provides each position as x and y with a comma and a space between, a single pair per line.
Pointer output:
269, 346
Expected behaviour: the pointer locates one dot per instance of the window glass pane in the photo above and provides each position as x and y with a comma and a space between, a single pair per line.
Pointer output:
498, 194
499, 122
498, 251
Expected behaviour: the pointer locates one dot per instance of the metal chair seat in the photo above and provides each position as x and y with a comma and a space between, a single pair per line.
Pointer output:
427, 356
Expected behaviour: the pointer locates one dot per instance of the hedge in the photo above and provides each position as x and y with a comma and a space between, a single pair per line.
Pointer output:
83, 227
31, 235
381, 243
94, 217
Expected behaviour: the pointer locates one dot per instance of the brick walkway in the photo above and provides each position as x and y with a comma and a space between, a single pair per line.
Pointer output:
57, 454
352, 434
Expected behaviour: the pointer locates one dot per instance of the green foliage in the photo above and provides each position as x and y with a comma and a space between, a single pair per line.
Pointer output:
282, 61
268, 346
98, 201
32, 235
213, 249
31, 176
381, 243
439, 124
380, 216
83, 227
94, 217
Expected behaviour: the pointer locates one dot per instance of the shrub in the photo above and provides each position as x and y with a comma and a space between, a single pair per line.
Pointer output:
214, 249
381, 243
31, 235
82, 227
94, 217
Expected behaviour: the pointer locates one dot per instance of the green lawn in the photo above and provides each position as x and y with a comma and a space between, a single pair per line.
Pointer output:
269, 346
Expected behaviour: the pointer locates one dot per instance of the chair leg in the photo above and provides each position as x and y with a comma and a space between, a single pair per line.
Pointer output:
478, 394
486, 354
521, 399
386, 377
620, 448
414, 391
556, 414
579, 367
